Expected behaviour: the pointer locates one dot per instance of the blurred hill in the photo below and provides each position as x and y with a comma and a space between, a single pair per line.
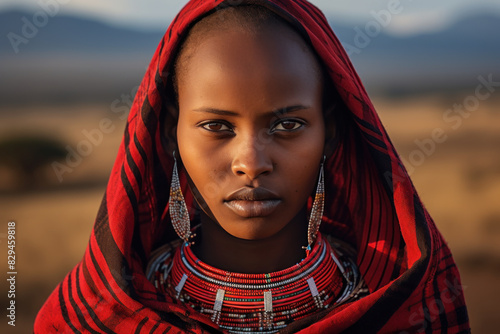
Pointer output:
67, 58
71, 34
448, 59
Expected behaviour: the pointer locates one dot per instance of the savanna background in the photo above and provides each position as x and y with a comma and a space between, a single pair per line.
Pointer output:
69, 71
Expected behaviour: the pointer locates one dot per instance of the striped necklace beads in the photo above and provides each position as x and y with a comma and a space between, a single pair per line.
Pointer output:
256, 303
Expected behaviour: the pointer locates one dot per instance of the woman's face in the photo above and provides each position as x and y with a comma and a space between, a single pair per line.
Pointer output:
250, 131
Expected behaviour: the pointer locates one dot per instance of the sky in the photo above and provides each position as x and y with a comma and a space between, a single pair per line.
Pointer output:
415, 15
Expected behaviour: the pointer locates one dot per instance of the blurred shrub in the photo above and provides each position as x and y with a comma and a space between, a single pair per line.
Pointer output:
26, 156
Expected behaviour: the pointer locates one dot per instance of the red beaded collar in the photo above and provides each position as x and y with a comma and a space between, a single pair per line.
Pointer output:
257, 303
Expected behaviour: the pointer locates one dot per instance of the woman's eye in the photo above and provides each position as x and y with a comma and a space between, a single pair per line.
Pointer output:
288, 125
216, 127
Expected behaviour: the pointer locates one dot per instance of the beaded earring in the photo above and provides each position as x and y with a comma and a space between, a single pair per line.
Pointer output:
317, 209
179, 214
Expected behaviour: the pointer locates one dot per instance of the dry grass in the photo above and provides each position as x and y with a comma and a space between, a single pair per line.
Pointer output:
460, 186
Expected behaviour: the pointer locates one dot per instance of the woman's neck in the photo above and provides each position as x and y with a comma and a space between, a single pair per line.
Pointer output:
219, 249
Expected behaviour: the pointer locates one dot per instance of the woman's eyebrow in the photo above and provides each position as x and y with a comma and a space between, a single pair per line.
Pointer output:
277, 112
217, 111
289, 109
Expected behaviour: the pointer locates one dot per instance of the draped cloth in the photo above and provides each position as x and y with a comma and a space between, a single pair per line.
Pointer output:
371, 203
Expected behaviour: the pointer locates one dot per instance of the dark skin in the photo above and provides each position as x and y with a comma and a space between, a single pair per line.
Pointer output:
251, 137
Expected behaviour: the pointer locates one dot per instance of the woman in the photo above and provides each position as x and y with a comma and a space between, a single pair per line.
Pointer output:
249, 133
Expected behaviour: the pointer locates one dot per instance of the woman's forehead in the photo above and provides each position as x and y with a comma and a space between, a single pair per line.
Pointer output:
246, 35
240, 61
240, 71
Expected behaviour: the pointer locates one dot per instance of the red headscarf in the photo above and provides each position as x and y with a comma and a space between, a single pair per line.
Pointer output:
370, 202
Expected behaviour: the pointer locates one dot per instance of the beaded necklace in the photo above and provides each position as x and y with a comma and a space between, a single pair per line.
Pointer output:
256, 303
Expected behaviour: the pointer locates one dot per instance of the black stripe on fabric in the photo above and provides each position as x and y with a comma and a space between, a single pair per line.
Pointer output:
441, 306
137, 245
159, 84
151, 296
363, 122
399, 291
167, 330
149, 118
140, 325
362, 188
427, 324
347, 167
161, 189
448, 267
129, 190
161, 46
134, 168
91, 312
170, 30
370, 226
461, 313
154, 328
102, 277
76, 308
115, 260
393, 149
126, 135
462, 316
140, 148
386, 221
379, 231
102, 216
447, 256
376, 142
64, 310
384, 165
371, 138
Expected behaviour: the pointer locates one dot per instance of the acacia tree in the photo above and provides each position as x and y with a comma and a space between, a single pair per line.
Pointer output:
28, 155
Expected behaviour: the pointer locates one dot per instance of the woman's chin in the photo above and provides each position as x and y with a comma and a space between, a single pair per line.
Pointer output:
252, 231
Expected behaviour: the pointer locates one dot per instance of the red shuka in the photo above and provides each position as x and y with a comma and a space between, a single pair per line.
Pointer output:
413, 281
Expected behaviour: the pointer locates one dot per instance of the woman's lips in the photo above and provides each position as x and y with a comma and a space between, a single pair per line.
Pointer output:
252, 202
254, 208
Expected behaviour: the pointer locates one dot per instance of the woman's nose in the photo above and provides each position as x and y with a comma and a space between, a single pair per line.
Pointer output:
252, 158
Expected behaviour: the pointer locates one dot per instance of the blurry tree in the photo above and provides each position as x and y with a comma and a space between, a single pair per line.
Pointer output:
27, 156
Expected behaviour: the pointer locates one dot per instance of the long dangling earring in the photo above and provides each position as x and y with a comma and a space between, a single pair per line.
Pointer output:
317, 209
179, 214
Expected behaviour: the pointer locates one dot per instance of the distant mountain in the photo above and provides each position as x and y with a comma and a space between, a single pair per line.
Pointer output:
71, 58
71, 34
453, 57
